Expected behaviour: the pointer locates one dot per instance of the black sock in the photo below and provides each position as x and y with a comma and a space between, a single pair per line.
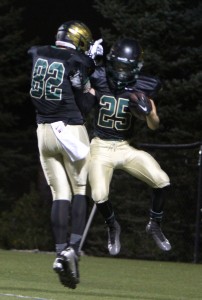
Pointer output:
78, 219
59, 220
107, 212
158, 202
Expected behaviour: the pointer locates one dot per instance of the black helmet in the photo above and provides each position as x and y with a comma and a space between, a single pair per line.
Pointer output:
76, 33
124, 62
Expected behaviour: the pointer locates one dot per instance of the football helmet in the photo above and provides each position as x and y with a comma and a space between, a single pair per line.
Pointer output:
123, 63
74, 33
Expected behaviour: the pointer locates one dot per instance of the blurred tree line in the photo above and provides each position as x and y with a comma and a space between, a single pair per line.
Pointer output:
169, 32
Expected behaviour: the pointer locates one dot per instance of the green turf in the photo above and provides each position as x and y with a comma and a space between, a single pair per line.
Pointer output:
30, 275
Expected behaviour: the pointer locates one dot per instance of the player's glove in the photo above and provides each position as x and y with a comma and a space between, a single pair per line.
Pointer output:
96, 49
77, 82
139, 103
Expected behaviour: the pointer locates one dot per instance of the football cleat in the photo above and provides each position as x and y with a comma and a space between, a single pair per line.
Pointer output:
114, 245
153, 228
66, 266
58, 265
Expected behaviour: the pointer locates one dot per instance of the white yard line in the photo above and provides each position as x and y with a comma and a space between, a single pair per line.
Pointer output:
25, 297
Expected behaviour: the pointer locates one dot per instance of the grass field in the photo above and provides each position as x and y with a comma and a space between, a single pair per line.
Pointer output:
28, 275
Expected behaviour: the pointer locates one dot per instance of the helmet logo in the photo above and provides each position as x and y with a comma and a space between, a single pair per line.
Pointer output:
72, 30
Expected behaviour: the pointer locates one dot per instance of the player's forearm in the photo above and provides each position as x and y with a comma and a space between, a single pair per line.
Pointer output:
153, 120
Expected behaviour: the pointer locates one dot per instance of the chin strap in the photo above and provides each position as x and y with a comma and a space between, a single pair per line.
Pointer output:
65, 44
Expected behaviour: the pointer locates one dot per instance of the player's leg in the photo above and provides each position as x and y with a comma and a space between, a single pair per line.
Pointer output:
65, 263
100, 175
78, 172
114, 229
144, 167
56, 177
156, 215
53, 167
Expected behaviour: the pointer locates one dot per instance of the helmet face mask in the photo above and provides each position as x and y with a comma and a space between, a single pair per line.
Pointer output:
124, 62
76, 33
122, 72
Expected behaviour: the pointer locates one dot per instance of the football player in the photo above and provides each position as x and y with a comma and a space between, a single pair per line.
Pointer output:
122, 95
62, 137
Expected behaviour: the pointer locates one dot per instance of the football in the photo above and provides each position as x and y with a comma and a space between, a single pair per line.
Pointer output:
139, 103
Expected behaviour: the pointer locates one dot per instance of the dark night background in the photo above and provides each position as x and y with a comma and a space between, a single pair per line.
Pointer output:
42, 18
170, 34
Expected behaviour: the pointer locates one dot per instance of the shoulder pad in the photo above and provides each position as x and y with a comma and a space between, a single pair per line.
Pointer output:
149, 85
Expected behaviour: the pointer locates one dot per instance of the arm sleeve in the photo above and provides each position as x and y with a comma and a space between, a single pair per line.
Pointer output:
85, 101
83, 65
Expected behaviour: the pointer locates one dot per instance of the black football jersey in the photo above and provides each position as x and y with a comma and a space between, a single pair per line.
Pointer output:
113, 119
51, 91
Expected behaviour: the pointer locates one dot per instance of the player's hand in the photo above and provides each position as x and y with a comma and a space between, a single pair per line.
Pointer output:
96, 49
76, 80
140, 103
